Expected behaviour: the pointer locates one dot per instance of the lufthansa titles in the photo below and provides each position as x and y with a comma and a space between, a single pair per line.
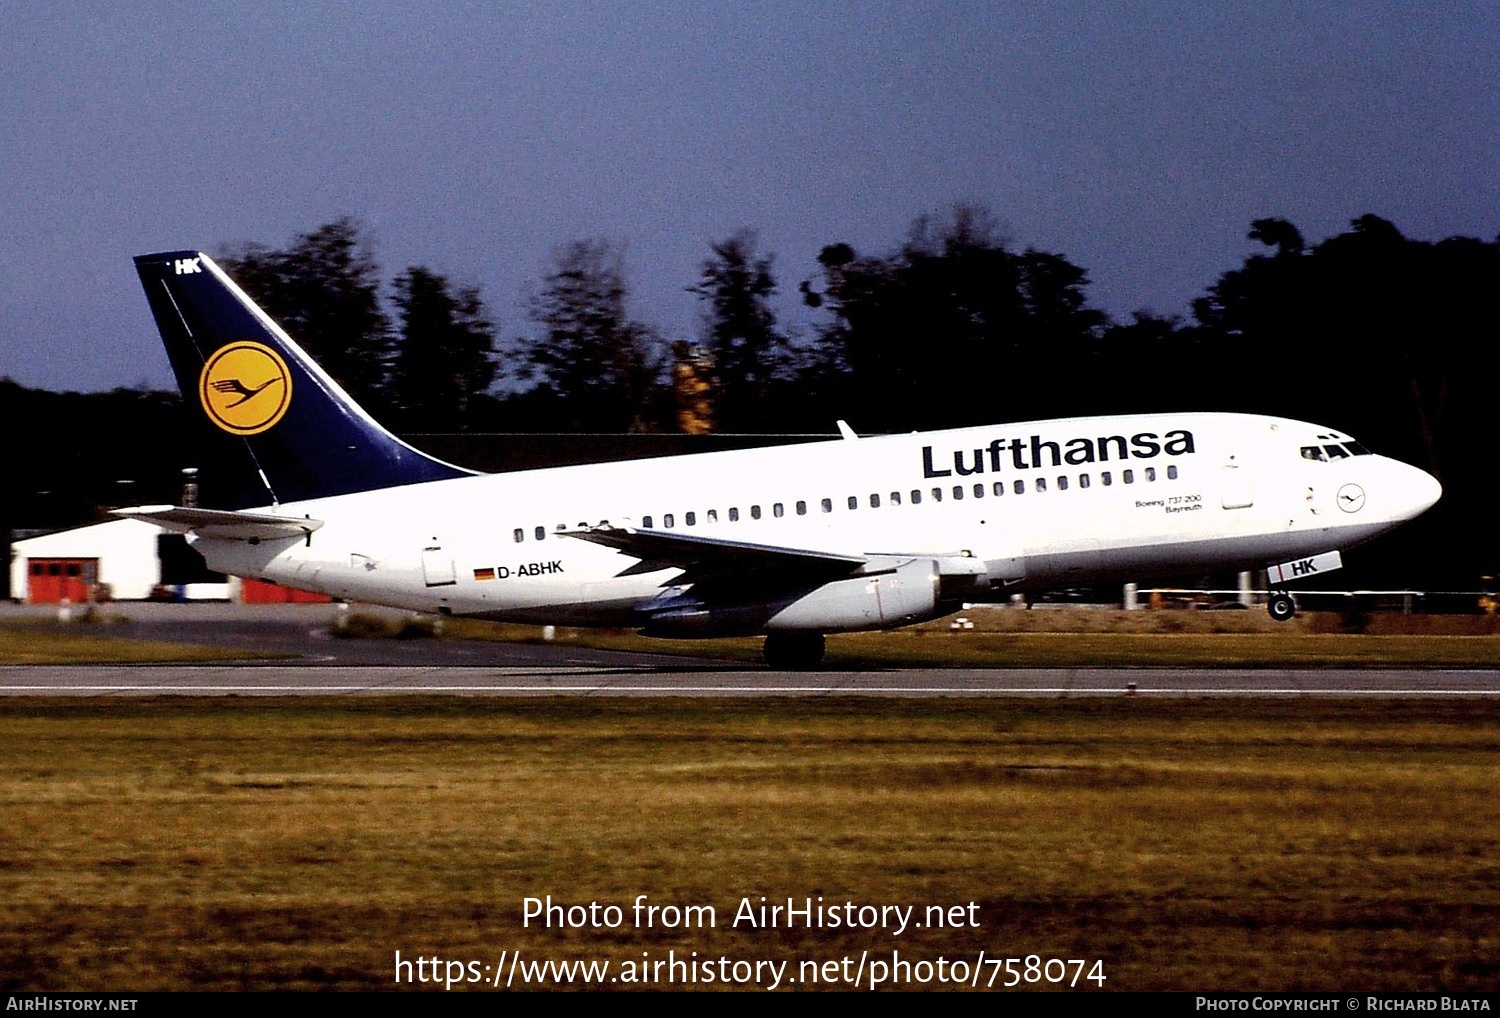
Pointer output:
1036, 452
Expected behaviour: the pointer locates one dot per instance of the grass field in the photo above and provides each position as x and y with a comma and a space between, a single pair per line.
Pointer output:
57, 645
1048, 638
1194, 845
1081, 638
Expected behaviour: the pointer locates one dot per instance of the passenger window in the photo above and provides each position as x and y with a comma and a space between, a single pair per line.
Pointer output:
801, 507
1106, 478
1019, 487
668, 520
1150, 473
1128, 476
755, 512
1172, 472
778, 510
916, 497
827, 504
1062, 484
999, 488
853, 502
979, 491
937, 494
646, 522
1041, 484
691, 519
541, 533
1083, 480
713, 516
895, 498
958, 492
520, 535
874, 501
734, 514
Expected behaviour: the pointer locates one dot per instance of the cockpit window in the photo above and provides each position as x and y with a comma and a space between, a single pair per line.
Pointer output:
1326, 453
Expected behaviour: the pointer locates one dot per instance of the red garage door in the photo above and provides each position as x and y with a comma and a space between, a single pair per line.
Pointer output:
264, 592
49, 580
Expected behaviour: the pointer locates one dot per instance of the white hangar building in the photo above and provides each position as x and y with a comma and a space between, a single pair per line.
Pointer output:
119, 560
127, 560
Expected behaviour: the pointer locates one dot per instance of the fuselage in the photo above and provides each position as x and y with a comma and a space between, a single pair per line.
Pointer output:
1040, 504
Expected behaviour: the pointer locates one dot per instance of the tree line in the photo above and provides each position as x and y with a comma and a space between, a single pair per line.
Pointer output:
1368, 331
897, 332
423, 372
1376, 334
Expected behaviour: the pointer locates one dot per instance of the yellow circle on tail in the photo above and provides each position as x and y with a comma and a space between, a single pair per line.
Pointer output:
245, 387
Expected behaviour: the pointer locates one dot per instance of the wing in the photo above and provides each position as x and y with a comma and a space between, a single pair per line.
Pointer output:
708, 562
733, 588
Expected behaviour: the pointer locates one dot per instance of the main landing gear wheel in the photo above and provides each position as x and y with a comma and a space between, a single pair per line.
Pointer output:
1281, 607
794, 652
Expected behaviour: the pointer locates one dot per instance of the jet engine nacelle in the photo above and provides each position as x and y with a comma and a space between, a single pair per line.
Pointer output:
909, 592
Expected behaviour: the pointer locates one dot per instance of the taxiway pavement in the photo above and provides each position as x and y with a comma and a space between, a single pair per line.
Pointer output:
325, 665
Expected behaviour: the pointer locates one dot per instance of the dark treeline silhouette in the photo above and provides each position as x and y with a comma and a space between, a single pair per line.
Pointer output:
69, 453
1387, 338
443, 353
749, 357
430, 371
1392, 339
1396, 338
324, 290
589, 366
952, 329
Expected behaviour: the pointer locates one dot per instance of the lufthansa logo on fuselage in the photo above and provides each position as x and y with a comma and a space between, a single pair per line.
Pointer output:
245, 387
1351, 498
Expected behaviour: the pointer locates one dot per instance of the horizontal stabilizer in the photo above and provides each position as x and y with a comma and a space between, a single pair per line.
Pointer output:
221, 524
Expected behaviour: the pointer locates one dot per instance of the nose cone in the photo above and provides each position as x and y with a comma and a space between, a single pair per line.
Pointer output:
1419, 492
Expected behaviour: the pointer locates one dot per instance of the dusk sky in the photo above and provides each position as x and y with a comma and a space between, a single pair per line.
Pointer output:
1137, 139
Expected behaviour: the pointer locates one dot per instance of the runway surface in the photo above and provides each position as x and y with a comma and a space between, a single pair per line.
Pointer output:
650, 680
329, 666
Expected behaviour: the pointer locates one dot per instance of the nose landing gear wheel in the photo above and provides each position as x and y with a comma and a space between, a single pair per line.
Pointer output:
1281, 607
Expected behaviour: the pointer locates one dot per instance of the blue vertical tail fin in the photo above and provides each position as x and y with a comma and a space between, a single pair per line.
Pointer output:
280, 429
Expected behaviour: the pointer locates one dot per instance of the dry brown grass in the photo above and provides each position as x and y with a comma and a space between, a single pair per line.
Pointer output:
56, 645
1085, 637
1188, 844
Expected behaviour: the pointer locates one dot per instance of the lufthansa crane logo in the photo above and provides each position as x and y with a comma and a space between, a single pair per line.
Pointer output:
245, 388
1351, 498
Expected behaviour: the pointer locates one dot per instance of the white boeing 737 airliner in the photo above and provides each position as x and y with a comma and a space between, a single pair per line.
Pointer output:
791, 542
